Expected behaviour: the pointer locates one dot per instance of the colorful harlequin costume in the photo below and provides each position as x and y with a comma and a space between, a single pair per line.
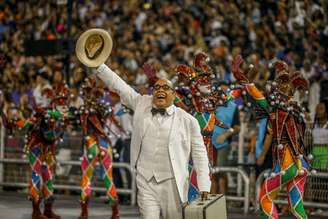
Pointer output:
92, 117
200, 105
213, 108
208, 103
44, 129
285, 123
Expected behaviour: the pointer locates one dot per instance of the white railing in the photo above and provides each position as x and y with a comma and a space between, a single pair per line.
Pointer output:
131, 191
245, 179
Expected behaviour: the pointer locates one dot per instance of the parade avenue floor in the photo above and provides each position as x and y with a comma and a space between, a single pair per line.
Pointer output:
16, 206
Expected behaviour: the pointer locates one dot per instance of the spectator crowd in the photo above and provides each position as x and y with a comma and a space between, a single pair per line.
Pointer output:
166, 33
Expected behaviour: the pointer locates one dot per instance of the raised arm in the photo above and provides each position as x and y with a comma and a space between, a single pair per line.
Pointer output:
128, 96
27, 123
257, 95
17, 122
241, 77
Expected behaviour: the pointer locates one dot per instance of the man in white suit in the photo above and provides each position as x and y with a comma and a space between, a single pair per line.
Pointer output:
163, 139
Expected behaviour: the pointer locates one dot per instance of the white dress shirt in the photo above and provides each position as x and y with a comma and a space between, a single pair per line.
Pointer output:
154, 159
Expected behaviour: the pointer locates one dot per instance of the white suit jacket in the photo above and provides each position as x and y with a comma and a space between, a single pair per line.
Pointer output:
185, 135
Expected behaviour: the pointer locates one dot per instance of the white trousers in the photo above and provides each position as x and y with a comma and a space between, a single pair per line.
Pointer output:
158, 199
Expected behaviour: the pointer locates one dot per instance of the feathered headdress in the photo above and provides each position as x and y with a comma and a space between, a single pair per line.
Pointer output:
201, 64
185, 71
298, 81
295, 79
150, 72
282, 73
199, 73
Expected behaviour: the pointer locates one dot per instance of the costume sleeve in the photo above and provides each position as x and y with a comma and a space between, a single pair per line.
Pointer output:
233, 94
128, 95
199, 156
258, 96
24, 123
55, 114
17, 123
179, 102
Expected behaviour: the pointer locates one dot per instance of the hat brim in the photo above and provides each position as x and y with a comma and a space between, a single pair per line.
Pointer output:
103, 55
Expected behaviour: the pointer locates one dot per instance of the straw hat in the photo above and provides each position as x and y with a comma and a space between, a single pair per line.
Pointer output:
93, 47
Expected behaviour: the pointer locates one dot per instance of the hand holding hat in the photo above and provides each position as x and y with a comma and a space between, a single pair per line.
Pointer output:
94, 47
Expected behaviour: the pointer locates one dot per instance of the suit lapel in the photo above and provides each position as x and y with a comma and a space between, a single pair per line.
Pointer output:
173, 126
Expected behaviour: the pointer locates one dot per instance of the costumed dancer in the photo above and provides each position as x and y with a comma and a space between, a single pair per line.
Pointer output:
213, 108
285, 127
92, 116
44, 129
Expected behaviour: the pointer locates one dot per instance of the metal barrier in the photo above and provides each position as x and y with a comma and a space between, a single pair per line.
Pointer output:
131, 191
241, 146
261, 177
245, 178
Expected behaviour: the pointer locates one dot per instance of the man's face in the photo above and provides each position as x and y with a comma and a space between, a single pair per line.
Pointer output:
163, 94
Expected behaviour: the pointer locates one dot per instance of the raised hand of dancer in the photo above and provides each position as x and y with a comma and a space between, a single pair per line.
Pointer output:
237, 72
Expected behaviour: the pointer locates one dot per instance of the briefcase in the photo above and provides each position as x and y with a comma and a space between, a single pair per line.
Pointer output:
213, 207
